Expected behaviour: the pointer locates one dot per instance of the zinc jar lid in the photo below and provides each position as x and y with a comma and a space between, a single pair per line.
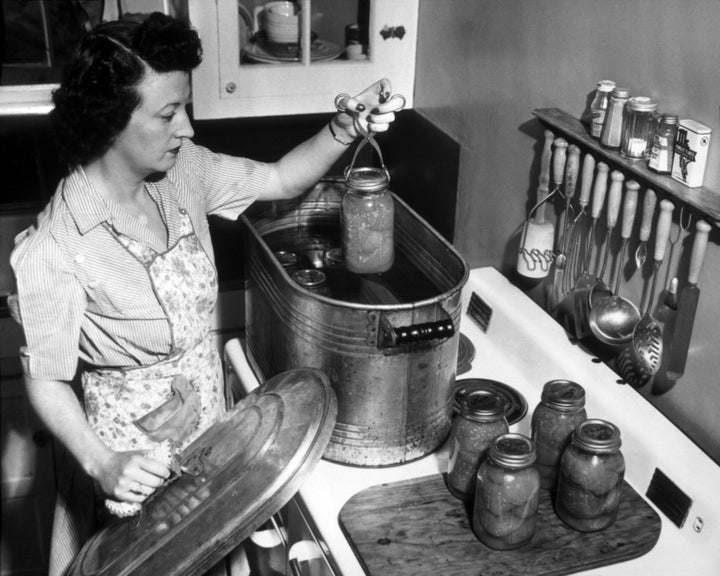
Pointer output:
481, 406
367, 179
513, 450
310, 278
599, 436
642, 104
563, 395
606, 85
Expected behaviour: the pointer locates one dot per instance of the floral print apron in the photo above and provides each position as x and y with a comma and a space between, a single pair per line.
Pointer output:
116, 400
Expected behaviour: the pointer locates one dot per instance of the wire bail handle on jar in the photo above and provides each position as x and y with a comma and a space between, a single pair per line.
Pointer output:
361, 125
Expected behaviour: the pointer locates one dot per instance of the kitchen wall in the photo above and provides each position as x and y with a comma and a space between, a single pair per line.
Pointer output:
483, 66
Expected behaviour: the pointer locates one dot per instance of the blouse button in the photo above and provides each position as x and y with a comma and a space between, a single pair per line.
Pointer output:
182, 210
79, 258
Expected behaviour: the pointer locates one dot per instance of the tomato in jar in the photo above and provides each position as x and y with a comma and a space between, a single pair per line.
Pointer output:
480, 419
560, 411
591, 476
507, 494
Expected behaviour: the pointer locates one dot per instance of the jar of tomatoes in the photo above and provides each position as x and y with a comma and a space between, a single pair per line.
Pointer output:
507, 495
368, 218
591, 476
561, 409
481, 418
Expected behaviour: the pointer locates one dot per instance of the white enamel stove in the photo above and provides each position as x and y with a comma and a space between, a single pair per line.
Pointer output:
524, 348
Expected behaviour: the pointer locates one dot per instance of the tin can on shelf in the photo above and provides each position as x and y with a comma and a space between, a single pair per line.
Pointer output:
691, 150
591, 476
507, 493
480, 419
560, 411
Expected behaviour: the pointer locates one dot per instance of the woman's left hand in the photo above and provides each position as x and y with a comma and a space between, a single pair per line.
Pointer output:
371, 111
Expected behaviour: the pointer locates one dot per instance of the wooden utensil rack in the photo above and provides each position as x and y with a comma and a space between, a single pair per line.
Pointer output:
700, 199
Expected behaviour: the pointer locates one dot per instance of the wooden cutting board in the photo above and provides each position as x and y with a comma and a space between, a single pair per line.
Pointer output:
416, 527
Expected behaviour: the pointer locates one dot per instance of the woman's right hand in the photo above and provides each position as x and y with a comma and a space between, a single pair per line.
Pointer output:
131, 476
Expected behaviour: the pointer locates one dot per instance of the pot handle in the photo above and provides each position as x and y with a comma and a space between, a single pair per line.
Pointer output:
391, 336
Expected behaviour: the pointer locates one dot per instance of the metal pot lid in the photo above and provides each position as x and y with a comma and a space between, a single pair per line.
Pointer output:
515, 404
243, 470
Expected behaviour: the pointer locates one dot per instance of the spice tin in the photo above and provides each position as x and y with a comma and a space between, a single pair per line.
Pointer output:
480, 420
591, 475
507, 494
560, 411
691, 149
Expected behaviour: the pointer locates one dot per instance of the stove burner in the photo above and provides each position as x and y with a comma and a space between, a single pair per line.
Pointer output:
466, 354
515, 404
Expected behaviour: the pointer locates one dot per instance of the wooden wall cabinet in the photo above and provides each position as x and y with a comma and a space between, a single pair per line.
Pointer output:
238, 78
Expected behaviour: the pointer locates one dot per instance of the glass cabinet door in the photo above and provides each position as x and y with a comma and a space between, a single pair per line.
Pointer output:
265, 58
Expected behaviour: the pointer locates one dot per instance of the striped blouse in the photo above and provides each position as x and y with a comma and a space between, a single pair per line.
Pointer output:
83, 296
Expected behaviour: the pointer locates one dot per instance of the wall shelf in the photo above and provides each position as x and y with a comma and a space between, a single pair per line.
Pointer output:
701, 199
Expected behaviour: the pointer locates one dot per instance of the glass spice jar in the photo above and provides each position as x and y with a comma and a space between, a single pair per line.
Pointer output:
638, 128
599, 106
507, 494
481, 417
561, 409
663, 145
611, 135
591, 476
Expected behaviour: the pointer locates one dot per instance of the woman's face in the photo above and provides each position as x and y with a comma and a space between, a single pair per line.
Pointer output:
151, 140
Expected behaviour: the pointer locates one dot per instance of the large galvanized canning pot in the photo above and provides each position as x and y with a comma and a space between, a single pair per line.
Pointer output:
388, 342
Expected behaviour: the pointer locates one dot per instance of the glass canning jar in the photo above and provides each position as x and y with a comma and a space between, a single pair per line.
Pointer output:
368, 215
638, 128
561, 409
611, 134
591, 476
507, 495
481, 417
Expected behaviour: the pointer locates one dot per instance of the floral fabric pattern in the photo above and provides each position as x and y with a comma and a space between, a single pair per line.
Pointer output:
185, 282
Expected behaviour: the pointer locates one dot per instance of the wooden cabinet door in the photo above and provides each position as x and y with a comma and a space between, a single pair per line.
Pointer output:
227, 85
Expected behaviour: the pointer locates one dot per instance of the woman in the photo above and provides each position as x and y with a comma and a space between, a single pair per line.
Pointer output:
117, 281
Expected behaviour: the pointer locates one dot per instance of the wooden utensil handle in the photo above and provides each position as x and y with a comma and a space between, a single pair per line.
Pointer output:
545, 161
588, 169
662, 233
702, 230
571, 170
559, 157
614, 197
629, 208
542, 194
649, 202
599, 189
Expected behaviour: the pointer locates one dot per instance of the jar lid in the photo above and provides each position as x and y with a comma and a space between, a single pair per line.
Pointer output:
286, 259
310, 278
367, 179
620, 93
669, 118
642, 104
481, 405
606, 85
513, 450
334, 258
563, 395
599, 436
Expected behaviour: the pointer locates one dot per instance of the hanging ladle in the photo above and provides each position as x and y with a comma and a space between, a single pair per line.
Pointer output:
613, 319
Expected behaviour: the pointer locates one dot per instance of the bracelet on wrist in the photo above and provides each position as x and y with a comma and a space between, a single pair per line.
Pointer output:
336, 137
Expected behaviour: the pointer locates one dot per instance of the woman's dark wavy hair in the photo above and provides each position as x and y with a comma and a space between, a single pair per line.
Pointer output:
98, 92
